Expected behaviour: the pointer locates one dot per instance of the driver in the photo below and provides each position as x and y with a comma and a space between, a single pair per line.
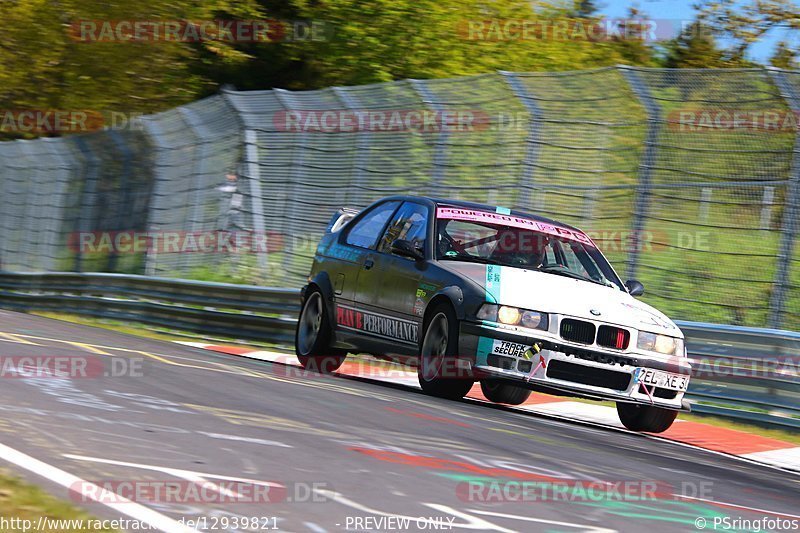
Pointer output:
520, 247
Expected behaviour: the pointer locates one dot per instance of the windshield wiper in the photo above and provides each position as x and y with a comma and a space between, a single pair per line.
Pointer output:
564, 271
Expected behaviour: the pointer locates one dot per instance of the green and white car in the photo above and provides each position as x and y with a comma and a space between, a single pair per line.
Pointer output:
469, 292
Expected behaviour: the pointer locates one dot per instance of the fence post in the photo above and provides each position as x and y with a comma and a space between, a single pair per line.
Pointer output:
124, 212
641, 205
532, 143
440, 153
791, 212
290, 224
88, 195
362, 149
256, 198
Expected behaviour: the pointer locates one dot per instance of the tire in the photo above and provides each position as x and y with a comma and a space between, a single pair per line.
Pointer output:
313, 337
499, 392
645, 417
437, 354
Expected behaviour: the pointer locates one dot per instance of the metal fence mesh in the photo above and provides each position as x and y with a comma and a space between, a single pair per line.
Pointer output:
714, 200
703, 211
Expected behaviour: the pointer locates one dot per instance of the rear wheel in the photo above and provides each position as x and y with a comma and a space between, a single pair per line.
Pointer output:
437, 371
645, 417
313, 337
499, 392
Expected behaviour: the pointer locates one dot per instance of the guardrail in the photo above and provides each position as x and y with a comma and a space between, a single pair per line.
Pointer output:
239, 311
740, 373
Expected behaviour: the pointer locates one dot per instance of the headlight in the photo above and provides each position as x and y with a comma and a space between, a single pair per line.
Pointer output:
487, 312
533, 319
653, 342
513, 316
509, 315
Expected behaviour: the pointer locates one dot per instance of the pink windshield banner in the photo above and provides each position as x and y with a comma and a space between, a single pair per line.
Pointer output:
469, 215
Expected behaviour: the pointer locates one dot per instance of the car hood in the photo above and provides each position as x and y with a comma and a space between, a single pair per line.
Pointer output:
551, 293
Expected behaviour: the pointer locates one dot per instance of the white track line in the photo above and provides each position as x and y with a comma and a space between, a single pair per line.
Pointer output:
116, 502
785, 460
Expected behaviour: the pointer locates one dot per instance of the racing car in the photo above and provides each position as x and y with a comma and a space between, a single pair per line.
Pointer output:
467, 293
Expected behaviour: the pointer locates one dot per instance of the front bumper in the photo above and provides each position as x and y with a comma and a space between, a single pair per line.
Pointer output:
568, 369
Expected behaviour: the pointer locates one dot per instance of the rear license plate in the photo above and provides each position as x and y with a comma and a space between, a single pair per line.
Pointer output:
508, 349
662, 380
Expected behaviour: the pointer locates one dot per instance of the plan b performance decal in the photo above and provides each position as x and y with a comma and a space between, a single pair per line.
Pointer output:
375, 324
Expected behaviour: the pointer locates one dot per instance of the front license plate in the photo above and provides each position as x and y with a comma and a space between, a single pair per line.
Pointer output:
662, 380
509, 349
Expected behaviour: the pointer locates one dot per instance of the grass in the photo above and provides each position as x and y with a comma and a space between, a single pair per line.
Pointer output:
151, 332
23, 501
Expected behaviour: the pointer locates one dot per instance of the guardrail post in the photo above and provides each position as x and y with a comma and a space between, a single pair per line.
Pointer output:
791, 213
641, 205
532, 143
440, 152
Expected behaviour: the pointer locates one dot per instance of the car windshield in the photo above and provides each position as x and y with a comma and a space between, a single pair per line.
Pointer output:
509, 240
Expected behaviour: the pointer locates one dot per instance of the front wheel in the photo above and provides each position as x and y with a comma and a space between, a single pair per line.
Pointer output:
499, 392
647, 418
437, 371
313, 337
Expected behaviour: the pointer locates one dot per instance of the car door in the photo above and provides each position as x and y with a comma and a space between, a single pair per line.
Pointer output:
389, 288
355, 253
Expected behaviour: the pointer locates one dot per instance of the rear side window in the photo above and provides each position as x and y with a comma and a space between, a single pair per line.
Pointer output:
366, 231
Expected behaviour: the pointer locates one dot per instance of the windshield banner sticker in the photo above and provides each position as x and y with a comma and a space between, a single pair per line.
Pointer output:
470, 215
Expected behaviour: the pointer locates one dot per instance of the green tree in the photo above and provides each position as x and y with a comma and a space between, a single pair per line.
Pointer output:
784, 57
585, 8
746, 23
631, 40
46, 64
393, 39
695, 47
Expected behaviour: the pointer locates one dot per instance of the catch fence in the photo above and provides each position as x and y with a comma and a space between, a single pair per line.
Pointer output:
689, 180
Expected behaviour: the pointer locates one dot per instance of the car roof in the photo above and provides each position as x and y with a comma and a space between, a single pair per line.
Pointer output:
486, 207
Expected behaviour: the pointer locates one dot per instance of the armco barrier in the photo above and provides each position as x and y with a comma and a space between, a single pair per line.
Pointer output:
740, 373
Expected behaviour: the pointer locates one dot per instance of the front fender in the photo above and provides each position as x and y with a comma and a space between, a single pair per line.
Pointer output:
455, 296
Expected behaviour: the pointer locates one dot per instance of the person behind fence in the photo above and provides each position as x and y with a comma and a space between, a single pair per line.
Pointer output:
231, 216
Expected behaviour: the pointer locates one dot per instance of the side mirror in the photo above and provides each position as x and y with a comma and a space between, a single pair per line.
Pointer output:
635, 288
408, 249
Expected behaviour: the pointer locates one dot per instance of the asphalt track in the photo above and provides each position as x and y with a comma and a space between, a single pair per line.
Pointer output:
342, 454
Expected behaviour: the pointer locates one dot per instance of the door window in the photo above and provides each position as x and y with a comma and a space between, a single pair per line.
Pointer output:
410, 223
365, 232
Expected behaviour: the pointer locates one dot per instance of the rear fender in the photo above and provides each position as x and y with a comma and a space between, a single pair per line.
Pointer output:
323, 282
